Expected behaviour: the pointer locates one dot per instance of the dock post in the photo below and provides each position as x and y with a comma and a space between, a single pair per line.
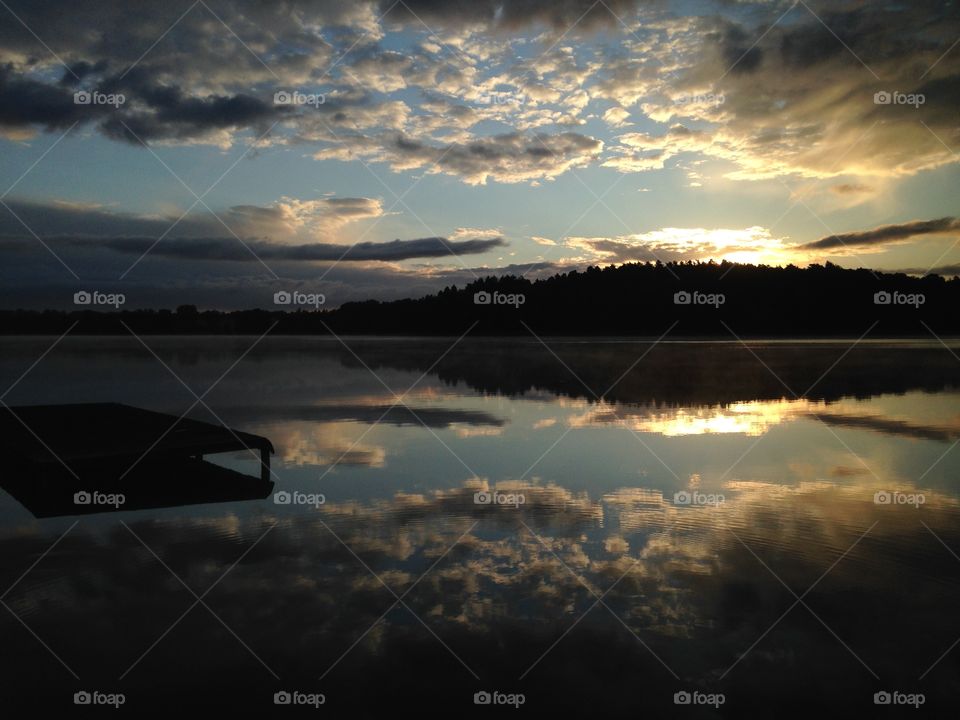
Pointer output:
265, 463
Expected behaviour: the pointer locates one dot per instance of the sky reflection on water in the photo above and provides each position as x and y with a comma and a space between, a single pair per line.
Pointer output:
601, 581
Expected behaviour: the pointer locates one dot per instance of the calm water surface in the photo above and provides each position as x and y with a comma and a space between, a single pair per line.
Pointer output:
680, 517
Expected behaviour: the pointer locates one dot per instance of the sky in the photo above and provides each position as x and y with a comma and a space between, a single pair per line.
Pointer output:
215, 153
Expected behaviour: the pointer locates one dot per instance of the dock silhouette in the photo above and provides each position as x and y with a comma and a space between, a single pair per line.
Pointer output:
83, 458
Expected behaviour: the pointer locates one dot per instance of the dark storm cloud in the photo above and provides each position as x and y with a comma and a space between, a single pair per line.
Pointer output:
78, 71
169, 113
288, 220
229, 248
70, 219
512, 14
123, 31
944, 270
943, 94
91, 230
185, 76
812, 43
886, 234
25, 102
153, 111
740, 50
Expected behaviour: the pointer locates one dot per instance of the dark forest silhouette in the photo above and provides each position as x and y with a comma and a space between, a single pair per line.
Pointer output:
638, 299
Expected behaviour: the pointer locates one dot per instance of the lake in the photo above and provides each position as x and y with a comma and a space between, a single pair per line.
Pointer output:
689, 529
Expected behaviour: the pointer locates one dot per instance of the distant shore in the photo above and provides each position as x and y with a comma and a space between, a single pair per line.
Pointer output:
691, 300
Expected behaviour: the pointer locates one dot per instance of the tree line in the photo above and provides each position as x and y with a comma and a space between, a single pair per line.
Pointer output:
696, 299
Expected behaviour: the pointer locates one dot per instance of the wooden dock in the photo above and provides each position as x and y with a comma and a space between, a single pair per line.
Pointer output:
53, 452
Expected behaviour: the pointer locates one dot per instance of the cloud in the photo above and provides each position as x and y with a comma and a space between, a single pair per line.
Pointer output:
204, 85
286, 38
616, 116
507, 158
185, 81
284, 231
229, 248
754, 244
201, 85
944, 270
798, 102
291, 217
542, 240
763, 100
886, 234
168, 114
25, 102
562, 15
469, 232
285, 220
851, 189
